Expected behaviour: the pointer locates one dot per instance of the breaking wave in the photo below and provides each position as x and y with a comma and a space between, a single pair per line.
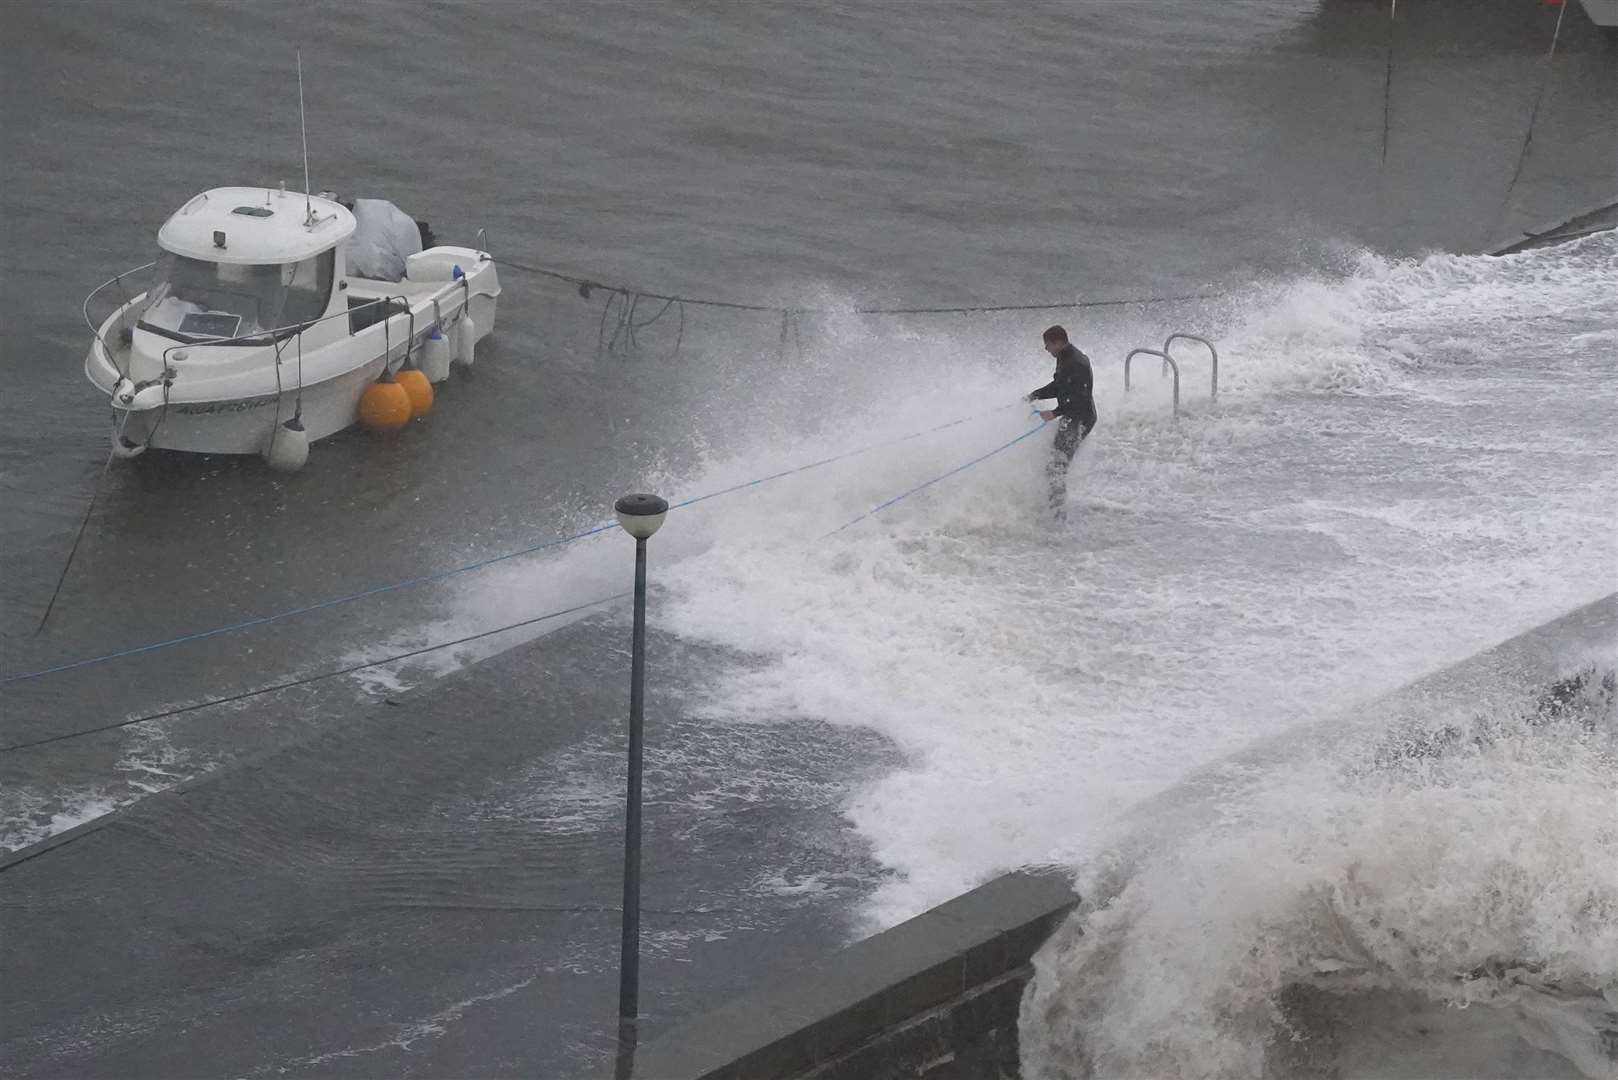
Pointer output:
1443, 905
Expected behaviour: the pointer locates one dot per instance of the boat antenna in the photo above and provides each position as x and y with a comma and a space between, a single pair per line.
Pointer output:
309, 210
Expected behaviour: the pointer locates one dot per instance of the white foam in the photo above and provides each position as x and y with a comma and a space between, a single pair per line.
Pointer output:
30, 815
1405, 466
150, 764
406, 1033
1479, 876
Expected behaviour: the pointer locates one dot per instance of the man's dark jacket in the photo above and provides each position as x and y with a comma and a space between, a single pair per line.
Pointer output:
1071, 386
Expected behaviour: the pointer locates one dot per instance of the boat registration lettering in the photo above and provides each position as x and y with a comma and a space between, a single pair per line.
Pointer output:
206, 408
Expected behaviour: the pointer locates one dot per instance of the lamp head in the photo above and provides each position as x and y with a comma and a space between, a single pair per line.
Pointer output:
641, 515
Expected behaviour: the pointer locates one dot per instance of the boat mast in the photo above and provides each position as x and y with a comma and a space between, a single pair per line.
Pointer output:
308, 209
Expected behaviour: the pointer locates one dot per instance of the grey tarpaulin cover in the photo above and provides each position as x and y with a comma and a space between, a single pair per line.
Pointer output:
383, 236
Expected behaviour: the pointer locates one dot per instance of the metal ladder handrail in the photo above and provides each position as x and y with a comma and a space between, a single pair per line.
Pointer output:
1213, 391
1168, 360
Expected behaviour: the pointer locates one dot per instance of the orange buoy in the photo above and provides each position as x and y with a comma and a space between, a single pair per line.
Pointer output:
385, 405
420, 391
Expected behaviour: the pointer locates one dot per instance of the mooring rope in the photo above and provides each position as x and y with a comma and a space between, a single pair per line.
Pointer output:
306, 680
1387, 82
586, 285
877, 509
1533, 118
469, 567
78, 537
411, 653
622, 301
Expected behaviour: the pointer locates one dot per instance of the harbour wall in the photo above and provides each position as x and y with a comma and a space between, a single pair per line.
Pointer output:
934, 997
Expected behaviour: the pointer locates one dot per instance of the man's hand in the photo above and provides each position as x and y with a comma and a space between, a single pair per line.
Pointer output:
1048, 414
1029, 396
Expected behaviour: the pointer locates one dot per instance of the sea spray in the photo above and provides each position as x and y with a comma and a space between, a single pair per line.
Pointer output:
1469, 866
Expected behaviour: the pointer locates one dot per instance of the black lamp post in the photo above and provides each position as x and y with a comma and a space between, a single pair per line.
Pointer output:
641, 516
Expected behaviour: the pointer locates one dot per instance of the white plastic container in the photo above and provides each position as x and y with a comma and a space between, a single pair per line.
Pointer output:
439, 263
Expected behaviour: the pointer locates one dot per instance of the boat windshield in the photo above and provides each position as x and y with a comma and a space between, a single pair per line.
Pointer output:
195, 300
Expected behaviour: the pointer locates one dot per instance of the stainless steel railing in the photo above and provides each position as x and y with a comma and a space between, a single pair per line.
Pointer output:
1213, 391
95, 325
281, 335
1168, 362
1169, 365
258, 337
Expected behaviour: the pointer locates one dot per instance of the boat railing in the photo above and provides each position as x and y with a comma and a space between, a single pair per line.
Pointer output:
395, 305
281, 337
282, 334
256, 337
118, 281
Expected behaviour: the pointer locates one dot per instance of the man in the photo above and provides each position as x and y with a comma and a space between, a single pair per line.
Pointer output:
1071, 386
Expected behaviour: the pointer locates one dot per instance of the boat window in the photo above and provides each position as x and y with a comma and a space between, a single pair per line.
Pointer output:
308, 285
365, 312
197, 300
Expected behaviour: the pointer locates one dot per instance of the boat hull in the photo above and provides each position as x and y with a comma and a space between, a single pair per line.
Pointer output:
235, 404
244, 425
1604, 13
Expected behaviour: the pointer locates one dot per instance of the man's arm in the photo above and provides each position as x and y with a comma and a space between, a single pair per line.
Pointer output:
1046, 391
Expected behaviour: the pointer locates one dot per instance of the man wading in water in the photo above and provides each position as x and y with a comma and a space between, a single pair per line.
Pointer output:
1075, 407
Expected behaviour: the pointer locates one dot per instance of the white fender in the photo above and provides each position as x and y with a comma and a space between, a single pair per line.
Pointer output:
288, 447
466, 339
434, 356
122, 449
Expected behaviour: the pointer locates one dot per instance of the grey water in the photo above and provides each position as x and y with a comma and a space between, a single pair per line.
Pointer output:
833, 155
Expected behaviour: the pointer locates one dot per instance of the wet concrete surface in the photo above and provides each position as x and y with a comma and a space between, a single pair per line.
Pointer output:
433, 889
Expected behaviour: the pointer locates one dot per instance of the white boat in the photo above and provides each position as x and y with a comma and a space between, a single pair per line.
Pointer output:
1604, 13
254, 333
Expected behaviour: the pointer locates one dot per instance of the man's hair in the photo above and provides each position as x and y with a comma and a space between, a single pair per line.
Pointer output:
1056, 333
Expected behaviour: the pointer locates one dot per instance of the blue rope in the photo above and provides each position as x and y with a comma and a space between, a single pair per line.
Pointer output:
481, 564
919, 487
833, 459
148, 718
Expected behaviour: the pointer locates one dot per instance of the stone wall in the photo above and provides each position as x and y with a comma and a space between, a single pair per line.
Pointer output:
934, 997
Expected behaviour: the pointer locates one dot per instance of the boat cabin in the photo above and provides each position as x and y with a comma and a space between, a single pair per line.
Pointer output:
239, 263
